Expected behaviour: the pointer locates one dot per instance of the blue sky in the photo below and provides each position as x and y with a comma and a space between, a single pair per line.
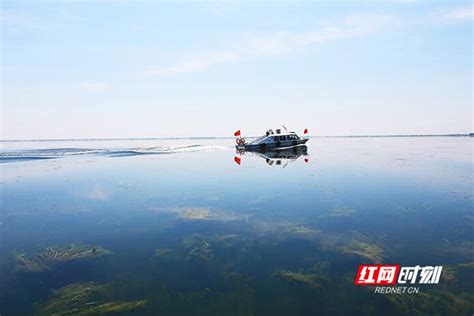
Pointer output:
86, 69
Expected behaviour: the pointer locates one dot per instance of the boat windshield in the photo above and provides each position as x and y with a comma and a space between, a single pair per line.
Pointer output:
259, 139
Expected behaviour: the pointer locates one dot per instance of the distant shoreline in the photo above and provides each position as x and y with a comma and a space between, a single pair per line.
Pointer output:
182, 138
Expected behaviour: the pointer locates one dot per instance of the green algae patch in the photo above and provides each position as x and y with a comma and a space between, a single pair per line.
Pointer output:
468, 265
52, 256
459, 277
284, 230
311, 280
196, 214
451, 272
85, 299
291, 228
198, 247
449, 275
163, 252
201, 214
364, 250
227, 237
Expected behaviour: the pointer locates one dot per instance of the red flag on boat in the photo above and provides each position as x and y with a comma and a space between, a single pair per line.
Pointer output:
305, 131
306, 160
237, 133
237, 160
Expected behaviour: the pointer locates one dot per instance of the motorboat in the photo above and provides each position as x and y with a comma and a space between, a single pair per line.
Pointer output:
273, 139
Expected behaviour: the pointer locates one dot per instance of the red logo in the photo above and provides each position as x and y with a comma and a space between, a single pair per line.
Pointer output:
377, 274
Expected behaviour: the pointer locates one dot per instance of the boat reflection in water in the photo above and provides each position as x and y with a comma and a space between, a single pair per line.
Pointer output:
278, 157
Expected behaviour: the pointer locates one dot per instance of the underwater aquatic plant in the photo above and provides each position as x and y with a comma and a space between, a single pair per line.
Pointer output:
283, 230
311, 280
87, 298
459, 276
162, 252
207, 214
52, 256
199, 248
195, 213
364, 250
199, 213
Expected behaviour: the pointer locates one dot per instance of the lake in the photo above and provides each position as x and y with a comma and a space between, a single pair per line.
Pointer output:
191, 227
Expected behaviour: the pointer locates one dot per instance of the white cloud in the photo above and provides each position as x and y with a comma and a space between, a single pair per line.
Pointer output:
194, 64
93, 86
279, 43
464, 13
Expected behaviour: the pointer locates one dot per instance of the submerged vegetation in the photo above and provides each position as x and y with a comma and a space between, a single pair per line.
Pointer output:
365, 250
163, 252
296, 229
460, 276
198, 247
311, 280
197, 213
283, 230
86, 299
203, 248
227, 269
52, 256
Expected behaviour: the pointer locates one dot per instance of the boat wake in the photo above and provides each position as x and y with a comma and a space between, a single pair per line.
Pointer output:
55, 153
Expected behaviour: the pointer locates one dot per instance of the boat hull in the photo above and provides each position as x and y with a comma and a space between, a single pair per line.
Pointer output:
273, 146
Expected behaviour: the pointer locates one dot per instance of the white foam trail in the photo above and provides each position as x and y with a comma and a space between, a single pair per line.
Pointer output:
180, 149
64, 152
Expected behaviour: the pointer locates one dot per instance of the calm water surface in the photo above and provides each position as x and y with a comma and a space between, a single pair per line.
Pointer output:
177, 227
